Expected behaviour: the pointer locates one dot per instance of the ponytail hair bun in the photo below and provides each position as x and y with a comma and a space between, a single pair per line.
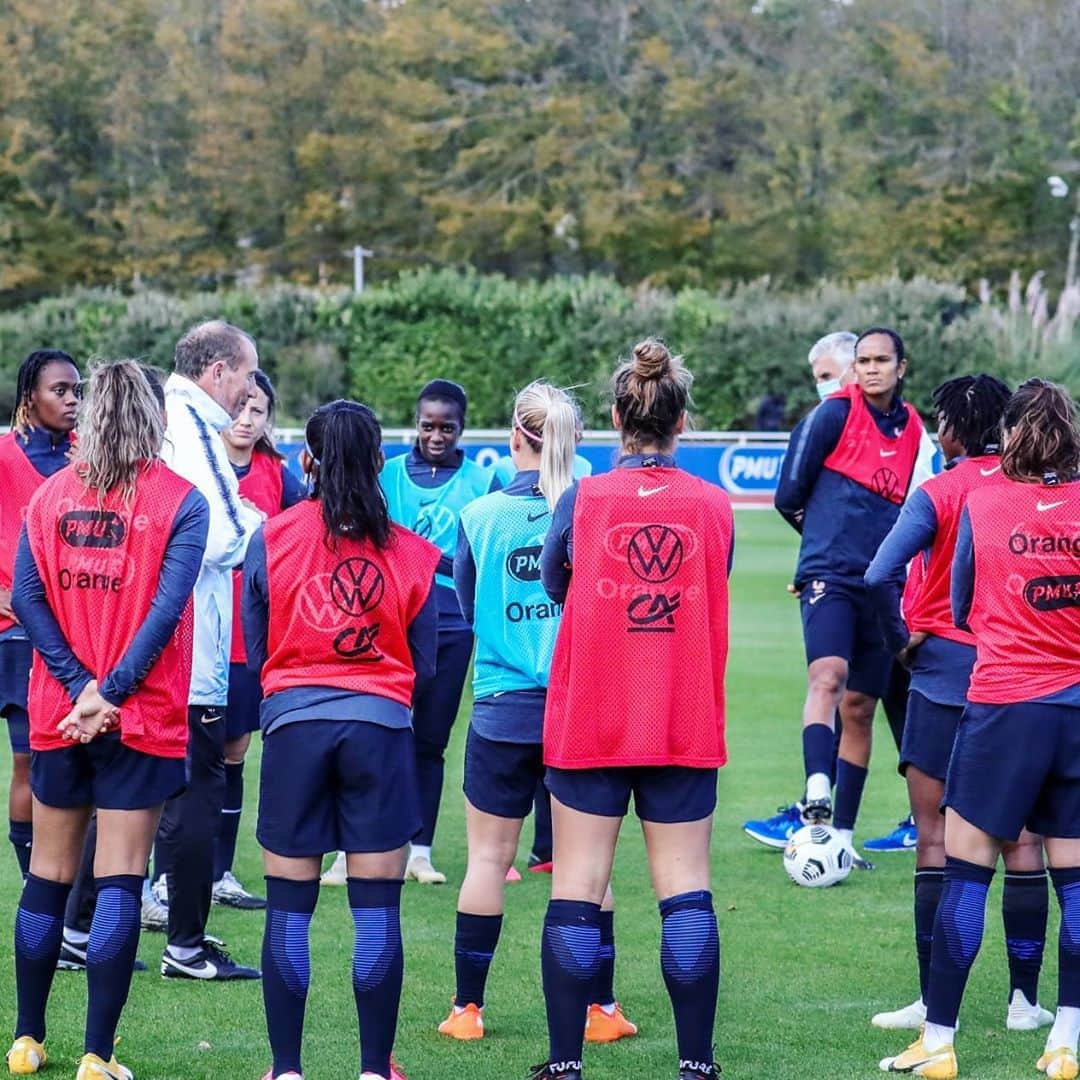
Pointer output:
651, 391
651, 359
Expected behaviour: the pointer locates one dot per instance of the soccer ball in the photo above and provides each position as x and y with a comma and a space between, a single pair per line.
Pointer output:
817, 857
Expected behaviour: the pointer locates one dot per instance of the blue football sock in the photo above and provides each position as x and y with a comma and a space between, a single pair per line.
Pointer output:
569, 961
21, 835
817, 743
604, 987
928, 884
39, 932
690, 962
850, 781
229, 823
110, 958
474, 946
286, 966
958, 933
1024, 903
378, 965
1067, 885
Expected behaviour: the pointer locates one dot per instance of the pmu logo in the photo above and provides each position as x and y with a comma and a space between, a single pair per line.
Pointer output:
652, 613
356, 586
655, 553
1053, 593
92, 529
523, 564
886, 483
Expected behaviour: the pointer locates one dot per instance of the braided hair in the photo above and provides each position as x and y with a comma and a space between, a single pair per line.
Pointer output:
26, 383
970, 408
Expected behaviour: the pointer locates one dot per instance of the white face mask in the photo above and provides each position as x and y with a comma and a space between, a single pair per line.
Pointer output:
829, 386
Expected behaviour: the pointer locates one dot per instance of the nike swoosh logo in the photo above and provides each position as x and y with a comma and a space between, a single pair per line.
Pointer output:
909, 841
990, 472
889, 453
815, 599
428, 502
645, 492
537, 517
1048, 506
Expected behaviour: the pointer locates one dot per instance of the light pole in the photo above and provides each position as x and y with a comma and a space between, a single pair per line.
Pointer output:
1059, 189
359, 254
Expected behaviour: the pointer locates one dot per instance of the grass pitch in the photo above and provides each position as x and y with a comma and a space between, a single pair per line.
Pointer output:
803, 970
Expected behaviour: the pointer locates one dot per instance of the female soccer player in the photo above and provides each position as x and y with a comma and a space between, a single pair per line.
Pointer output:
846, 473
641, 557
941, 657
103, 579
1014, 764
426, 490
340, 618
497, 574
270, 487
47, 400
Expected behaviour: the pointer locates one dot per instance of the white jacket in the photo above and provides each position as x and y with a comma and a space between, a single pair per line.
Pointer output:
193, 448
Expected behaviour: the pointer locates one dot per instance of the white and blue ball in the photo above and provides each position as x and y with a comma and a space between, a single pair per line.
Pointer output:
816, 857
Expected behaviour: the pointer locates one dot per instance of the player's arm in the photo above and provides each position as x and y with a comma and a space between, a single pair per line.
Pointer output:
423, 639
815, 437
962, 587
31, 605
292, 491
255, 602
913, 533
557, 555
465, 576
176, 580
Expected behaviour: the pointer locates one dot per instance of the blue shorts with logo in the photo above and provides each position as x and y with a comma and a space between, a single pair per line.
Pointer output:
929, 735
501, 777
337, 785
15, 660
106, 774
245, 697
665, 794
839, 620
1017, 765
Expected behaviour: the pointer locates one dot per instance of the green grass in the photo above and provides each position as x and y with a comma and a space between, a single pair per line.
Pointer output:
803, 970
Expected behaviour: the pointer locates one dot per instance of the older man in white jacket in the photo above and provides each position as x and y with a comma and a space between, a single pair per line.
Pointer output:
212, 378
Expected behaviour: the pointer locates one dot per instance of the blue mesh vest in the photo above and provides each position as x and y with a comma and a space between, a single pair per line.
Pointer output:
515, 621
433, 512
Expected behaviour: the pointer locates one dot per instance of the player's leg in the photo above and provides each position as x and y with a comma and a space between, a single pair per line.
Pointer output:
606, 1021
1059, 1059
1024, 910
79, 914
16, 657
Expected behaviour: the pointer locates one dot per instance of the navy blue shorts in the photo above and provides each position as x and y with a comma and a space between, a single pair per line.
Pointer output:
104, 773
1017, 765
665, 794
337, 785
929, 734
839, 620
15, 660
245, 697
501, 777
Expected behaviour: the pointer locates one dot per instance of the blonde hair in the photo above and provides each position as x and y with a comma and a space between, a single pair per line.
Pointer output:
652, 391
549, 421
120, 429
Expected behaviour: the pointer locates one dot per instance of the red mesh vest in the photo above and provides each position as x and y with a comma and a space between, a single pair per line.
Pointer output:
1025, 609
262, 486
100, 565
20, 481
637, 677
878, 463
928, 608
340, 616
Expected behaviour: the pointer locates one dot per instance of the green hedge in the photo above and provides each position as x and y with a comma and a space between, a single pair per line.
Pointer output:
494, 335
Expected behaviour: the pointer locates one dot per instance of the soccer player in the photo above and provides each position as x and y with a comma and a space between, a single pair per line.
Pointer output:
640, 556
848, 469
941, 656
38, 445
340, 617
427, 490
1014, 763
497, 575
103, 580
266, 483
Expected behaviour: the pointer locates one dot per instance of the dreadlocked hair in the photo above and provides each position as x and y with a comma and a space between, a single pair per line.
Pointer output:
970, 407
1041, 435
651, 390
120, 431
345, 439
26, 383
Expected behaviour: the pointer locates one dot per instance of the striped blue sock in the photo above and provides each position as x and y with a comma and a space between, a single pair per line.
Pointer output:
1067, 885
690, 962
286, 964
110, 958
604, 987
474, 946
378, 966
39, 932
1025, 901
569, 961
